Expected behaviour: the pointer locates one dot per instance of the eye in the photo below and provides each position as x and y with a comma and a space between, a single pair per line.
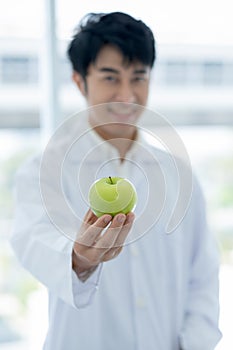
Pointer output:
110, 78
139, 78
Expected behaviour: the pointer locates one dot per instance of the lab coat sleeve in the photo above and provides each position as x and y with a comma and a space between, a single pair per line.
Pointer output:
200, 327
40, 246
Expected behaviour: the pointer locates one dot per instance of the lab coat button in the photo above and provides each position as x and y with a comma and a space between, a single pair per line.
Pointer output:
140, 302
134, 251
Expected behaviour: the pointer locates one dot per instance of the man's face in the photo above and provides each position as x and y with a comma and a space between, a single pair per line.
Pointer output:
119, 84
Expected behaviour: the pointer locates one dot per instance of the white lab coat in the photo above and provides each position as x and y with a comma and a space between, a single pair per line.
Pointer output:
161, 292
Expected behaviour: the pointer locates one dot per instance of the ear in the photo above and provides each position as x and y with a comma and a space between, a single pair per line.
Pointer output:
79, 81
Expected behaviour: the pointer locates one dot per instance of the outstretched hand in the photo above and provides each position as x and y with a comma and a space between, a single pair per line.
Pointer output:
99, 239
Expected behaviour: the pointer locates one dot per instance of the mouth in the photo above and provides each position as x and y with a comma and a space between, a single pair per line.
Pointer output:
124, 117
123, 112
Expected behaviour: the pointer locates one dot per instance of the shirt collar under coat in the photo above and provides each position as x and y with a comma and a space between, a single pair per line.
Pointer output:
107, 151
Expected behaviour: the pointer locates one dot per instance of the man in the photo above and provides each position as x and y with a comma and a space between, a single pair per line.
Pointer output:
121, 282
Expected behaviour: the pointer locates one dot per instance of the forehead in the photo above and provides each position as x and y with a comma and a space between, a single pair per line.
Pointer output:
112, 56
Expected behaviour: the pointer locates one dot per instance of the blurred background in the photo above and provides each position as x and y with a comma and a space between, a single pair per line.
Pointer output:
192, 86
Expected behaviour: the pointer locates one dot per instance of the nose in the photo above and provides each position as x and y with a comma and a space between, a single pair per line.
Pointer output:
125, 93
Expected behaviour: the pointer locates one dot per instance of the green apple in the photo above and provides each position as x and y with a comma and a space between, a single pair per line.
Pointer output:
112, 195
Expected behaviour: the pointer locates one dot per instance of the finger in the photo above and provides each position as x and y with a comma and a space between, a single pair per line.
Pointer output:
125, 230
88, 220
90, 235
106, 241
118, 244
90, 217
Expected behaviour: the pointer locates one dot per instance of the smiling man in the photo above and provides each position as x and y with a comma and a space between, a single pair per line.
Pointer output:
118, 72
161, 291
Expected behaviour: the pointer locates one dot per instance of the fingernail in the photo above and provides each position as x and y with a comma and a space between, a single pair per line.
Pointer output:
121, 218
107, 219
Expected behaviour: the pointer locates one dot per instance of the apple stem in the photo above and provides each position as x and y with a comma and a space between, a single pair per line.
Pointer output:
110, 179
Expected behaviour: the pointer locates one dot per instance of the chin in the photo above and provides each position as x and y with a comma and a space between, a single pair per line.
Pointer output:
121, 130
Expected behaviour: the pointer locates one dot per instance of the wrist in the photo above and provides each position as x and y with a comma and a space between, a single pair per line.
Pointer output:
81, 267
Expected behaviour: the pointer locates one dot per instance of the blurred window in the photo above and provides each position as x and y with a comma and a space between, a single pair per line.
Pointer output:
176, 72
181, 72
228, 74
194, 72
19, 69
212, 73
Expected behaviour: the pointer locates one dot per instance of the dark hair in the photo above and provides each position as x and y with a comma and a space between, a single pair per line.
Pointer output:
134, 39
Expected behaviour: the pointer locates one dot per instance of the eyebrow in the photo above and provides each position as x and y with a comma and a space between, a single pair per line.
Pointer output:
115, 71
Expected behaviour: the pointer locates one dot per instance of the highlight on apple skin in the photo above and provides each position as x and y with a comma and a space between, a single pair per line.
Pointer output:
112, 195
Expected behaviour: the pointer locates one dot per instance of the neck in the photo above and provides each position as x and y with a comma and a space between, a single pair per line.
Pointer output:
121, 140
123, 144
